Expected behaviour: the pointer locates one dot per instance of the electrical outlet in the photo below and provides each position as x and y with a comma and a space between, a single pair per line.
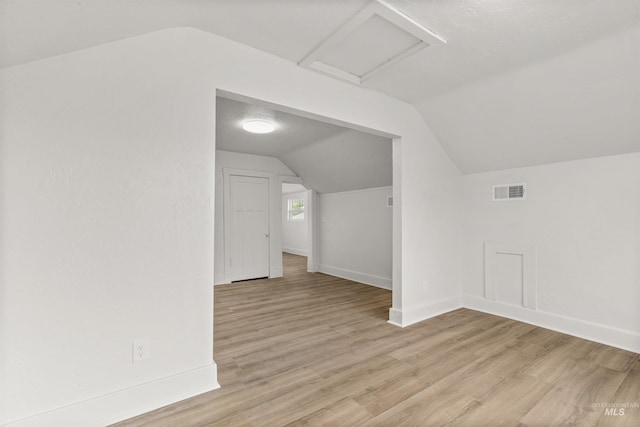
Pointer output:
425, 286
141, 350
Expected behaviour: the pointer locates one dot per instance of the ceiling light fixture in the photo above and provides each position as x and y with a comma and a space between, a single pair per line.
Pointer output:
258, 126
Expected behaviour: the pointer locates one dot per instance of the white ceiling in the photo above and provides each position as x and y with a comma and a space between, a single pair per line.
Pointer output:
583, 104
483, 36
292, 188
327, 157
485, 40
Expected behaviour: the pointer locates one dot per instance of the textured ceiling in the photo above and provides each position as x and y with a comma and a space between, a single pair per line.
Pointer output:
583, 104
36, 29
327, 157
483, 36
487, 37
489, 42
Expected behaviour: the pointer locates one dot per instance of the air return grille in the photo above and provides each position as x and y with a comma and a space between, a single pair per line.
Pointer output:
509, 192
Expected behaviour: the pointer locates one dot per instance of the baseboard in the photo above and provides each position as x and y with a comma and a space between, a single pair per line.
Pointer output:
313, 268
130, 402
615, 337
275, 271
367, 279
403, 318
219, 280
620, 338
294, 251
395, 317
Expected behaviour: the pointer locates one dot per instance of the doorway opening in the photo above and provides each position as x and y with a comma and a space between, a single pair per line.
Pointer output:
340, 209
295, 226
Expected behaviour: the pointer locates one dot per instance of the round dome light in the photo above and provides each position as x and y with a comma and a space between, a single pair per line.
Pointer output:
258, 126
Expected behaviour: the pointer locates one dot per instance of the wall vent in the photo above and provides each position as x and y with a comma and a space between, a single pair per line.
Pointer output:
509, 192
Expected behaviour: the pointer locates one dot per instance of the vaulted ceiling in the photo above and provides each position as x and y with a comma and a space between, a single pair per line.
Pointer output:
328, 158
518, 82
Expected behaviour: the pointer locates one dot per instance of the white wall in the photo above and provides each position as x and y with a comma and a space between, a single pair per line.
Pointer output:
107, 234
584, 218
249, 162
107, 216
294, 233
356, 236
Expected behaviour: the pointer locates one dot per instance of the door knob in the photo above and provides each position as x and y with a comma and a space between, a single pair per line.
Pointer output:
266, 235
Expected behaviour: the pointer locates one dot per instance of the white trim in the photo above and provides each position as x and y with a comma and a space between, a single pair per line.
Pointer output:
620, 338
608, 335
334, 71
399, 57
425, 37
313, 231
529, 269
290, 199
276, 271
289, 193
219, 280
367, 279
396, 212
419, 31
364, 190
129, 402
404, 318
277, 232
395, 317
294, 251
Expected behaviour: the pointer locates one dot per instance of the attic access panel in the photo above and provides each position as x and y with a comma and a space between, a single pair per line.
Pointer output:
375, 38
369, 53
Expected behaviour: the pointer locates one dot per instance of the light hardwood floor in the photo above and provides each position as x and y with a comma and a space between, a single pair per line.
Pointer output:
311, 349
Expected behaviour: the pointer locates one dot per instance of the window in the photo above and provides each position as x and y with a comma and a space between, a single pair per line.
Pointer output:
296, 210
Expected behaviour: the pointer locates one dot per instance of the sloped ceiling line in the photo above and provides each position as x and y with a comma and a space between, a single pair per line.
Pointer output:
519, 82
327, 157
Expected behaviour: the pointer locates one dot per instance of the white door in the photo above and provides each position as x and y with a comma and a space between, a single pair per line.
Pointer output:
249, 201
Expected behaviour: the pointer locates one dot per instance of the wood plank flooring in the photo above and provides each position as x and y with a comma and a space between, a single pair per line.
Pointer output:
311, 349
